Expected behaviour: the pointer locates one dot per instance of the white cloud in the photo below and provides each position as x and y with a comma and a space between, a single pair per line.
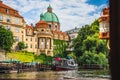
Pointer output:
71, 13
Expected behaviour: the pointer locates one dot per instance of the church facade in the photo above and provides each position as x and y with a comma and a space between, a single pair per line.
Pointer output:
38, 38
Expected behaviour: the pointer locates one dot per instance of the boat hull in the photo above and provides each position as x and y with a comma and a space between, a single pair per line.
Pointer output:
63, 68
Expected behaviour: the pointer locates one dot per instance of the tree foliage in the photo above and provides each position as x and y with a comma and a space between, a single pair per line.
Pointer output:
85, 40
91, 58
88, 47
21, 45
59, 46
6, 39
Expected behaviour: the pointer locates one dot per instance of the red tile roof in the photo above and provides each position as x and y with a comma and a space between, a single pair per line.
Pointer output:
12, 11
42, 23
28, 26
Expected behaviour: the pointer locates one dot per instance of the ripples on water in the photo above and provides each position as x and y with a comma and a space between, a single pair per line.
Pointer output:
53, 75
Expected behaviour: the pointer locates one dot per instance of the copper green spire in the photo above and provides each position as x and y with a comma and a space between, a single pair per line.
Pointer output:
49, 9
49, 6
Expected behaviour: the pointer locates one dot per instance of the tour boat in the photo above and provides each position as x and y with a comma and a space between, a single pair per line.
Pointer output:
60, 64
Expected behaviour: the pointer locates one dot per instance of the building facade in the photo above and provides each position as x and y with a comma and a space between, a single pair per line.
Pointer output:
104, 24
38, 38
73, 33
13, 21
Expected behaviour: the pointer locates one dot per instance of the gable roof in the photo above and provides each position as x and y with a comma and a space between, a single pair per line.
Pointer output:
12, 12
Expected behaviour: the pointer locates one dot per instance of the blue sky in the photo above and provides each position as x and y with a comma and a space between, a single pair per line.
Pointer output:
71, 13
97, 2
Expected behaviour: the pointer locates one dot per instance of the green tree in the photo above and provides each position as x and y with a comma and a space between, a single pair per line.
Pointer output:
90, 57
21, 45
93, 43
6, 39
83, 33
59, 46
88, 47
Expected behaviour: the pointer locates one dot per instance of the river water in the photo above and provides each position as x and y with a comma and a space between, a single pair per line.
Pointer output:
55, 75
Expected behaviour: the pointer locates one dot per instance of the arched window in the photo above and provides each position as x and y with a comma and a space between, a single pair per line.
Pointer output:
42, 30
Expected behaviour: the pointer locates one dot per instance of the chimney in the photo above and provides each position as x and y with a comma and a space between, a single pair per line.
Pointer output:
0, 1
31, 24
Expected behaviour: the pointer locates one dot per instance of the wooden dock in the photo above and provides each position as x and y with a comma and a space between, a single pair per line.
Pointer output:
23, 67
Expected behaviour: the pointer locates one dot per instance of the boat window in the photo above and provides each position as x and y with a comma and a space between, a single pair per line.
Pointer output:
72, 63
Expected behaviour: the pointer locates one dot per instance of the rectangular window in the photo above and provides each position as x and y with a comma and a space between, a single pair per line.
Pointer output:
21, 31
27, 45
8, 27
31, 39
1, 18
16, 29
17, 21
35, 45
8, 19
16, 39
42, 40
42, 45
47, 43
30, 45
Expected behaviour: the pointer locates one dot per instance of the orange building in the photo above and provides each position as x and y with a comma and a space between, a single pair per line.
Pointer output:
38, 38
104, 24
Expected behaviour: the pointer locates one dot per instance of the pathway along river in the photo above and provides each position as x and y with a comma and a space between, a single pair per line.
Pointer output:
58, 75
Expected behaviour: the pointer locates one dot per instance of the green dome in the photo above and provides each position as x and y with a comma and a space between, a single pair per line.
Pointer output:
50, 17
41, 16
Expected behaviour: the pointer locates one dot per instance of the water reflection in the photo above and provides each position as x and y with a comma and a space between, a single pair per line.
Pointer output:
50, 75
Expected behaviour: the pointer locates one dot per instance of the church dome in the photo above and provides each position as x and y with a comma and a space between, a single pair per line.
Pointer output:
49, 16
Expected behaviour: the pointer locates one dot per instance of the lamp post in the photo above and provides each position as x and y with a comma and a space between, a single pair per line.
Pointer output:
104, 26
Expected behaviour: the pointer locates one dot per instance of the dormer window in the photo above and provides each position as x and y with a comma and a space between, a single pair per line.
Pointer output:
7, 11
15, 12
29, 32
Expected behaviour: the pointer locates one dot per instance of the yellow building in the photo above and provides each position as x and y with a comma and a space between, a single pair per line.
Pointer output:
30, 39
45, 38
12, 21
38, 38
